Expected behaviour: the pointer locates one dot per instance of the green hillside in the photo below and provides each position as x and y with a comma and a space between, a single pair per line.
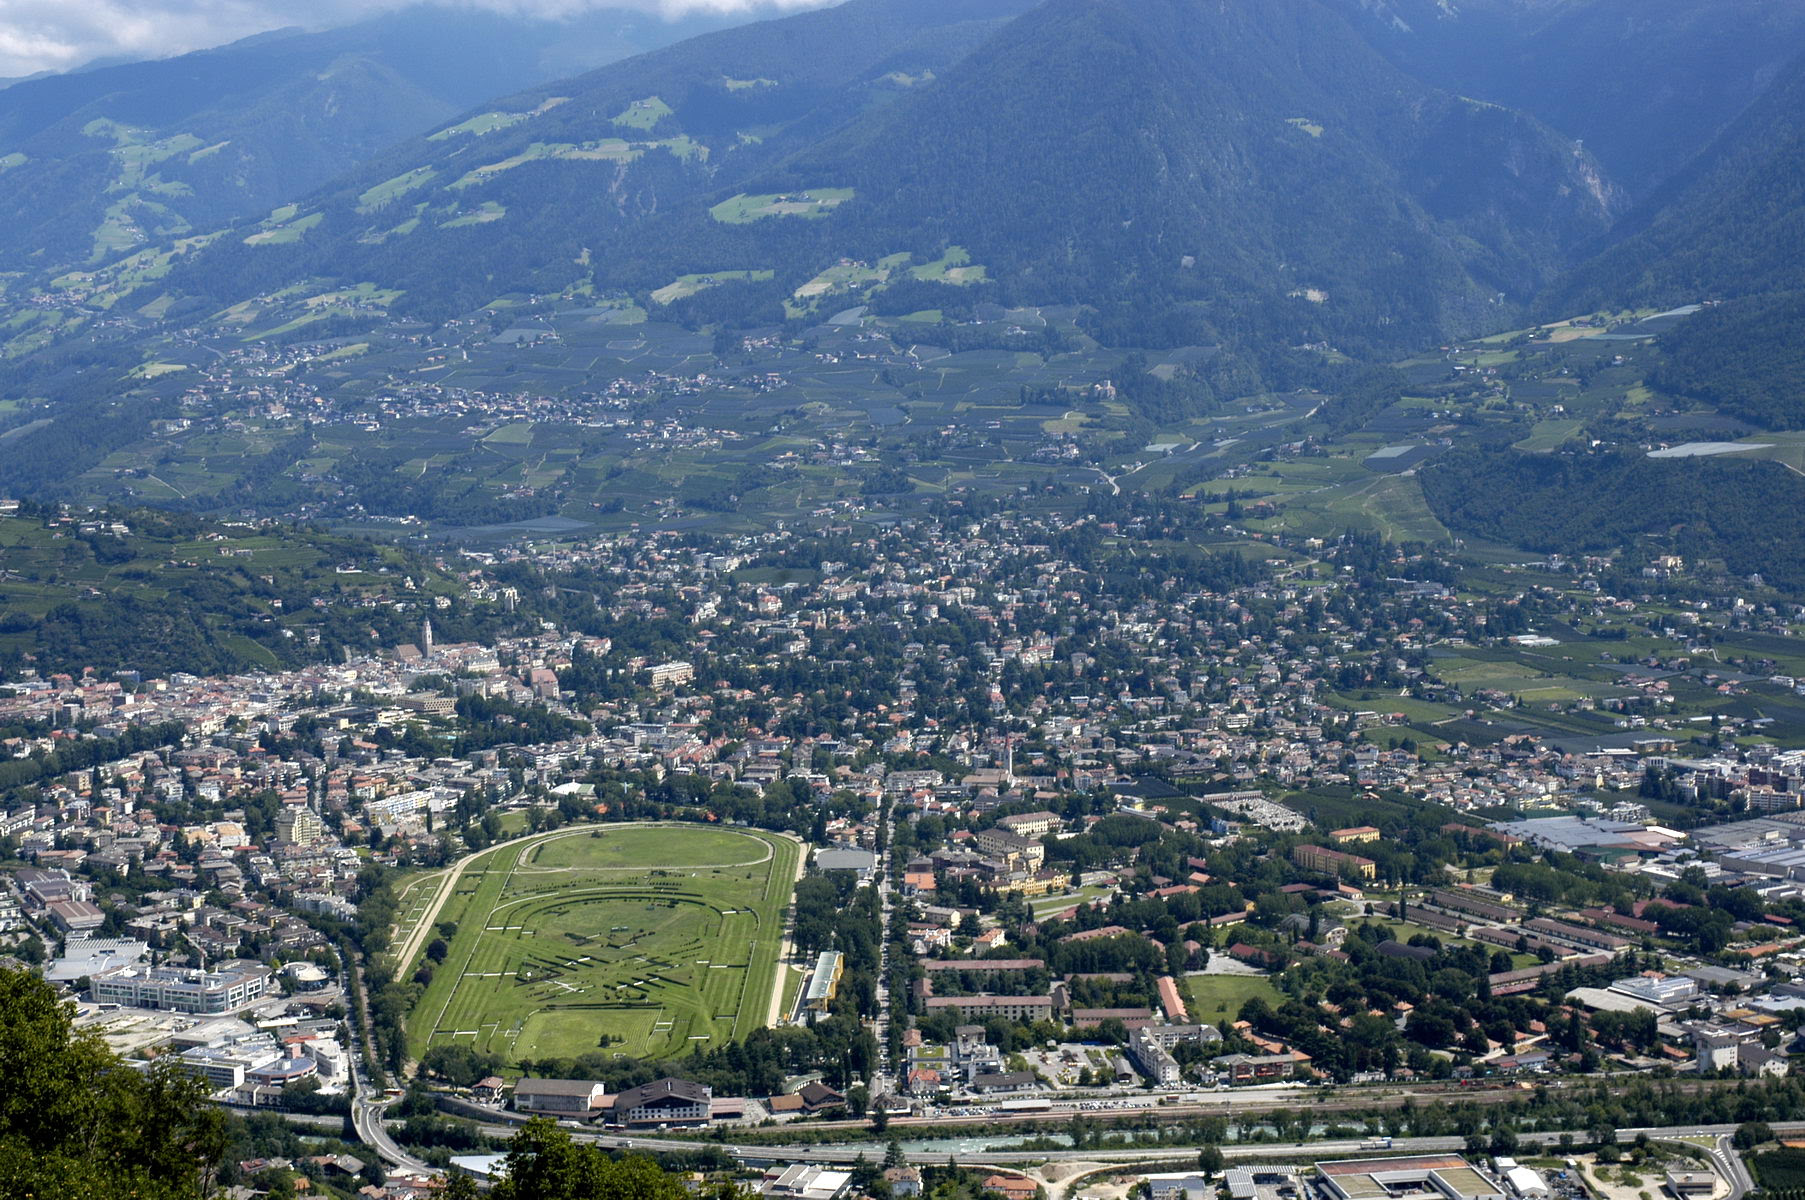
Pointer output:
1700, 508
1244, 170
160, 592
553, 188
102, 162
1253, 170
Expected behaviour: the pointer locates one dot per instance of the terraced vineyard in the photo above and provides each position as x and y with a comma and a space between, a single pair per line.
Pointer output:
655, 940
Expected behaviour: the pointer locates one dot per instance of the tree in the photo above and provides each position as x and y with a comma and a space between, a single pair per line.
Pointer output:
1209, 1160
460, 1187
1750, 1134
543, 1163
75, 1122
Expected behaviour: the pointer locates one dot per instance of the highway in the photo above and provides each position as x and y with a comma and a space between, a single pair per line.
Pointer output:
368, 1115
1726, 1161
368, 1107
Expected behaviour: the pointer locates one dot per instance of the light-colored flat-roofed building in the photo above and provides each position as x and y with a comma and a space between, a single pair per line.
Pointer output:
1662, 990
1686, 1184
84, 958
823, 981
221, 1068
178, 989
846, 858
805, 1181
1187, 1185
1430, 1176
1526, 1183
670, 674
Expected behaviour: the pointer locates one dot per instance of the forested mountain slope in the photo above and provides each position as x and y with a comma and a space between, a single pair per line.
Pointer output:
526, 193
1255, 160
1732, 224
1646, 84
1213, 166
94, 163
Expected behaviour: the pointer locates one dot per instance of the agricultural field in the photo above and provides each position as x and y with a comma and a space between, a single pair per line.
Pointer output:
685, 286
1780, 1169
815, 202
643, 114
651, 940
955, 267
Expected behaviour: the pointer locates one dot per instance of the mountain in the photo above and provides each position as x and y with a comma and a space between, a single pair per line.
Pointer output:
1646, 84
100, 161
1256, 161
1215, 165
1730, 225
524, 193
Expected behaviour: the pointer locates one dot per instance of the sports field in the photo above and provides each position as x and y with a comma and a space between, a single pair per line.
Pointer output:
666, 937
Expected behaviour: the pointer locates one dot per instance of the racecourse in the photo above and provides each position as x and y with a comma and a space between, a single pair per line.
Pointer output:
646, 940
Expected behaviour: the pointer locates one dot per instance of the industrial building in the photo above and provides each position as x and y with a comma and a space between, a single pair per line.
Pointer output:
804, 1181
1431, 1176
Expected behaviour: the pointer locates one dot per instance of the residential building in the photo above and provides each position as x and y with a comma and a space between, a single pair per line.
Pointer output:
1325, 861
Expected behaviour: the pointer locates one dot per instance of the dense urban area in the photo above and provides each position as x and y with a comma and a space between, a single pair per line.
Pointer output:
1099, 850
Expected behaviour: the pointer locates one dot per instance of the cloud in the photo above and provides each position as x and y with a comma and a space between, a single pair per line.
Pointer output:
56, 35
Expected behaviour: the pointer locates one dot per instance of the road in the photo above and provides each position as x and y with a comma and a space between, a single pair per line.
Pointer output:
367, 1118
1730, 1164
368, 1113
367, 1108
880, 1082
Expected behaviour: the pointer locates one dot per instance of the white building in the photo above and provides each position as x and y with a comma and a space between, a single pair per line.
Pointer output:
179, 989
804, 1181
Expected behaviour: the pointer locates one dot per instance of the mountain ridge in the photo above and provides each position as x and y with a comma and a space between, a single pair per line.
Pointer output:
99, 161
1209, 122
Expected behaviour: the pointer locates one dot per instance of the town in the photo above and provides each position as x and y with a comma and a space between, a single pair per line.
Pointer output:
1181, 847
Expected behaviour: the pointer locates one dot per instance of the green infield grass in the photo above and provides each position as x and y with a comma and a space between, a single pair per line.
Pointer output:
650, 940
